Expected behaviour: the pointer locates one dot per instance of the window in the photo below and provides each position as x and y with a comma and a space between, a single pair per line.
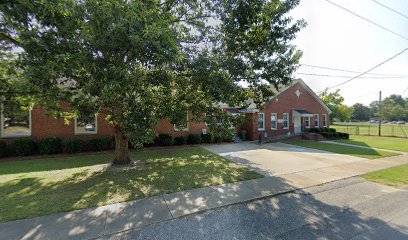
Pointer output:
15, 120
86, 123
261, 121
182, 128
274, 121
316, 120
307, 122
285, 120
324, 120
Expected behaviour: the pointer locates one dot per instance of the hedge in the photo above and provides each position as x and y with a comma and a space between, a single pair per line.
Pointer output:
101, 144
180, 140
194, 139
74, 146
50, 145
164, 140
23, 147
3, 149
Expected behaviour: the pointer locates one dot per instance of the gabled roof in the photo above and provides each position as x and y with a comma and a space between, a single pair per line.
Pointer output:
305, 86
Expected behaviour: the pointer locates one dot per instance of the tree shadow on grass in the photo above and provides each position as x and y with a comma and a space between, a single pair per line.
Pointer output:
41, 195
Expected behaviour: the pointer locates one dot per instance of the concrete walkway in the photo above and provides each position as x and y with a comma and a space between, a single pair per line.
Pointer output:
103, 221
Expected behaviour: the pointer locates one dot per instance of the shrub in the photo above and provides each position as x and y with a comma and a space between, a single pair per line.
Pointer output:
100, 144
207, 138
23, 147
3, 149
344, 135
324, 129
74, 146
218, 139
194, 139
336, 135
332, 130
180, 140
164, 140
50, 145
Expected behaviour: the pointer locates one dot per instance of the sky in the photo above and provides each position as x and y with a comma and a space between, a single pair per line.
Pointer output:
337, 39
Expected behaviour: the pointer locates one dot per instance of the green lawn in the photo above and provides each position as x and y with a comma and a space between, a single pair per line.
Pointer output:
397, 130
354, 151
390, 143
45, 186
395, 176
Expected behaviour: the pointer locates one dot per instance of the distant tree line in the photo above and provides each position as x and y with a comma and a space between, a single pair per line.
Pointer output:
394, 108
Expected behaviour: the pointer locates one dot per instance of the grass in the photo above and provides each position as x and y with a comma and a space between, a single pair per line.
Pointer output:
392, 130
45, 186
395, 176
390, 143
353, 151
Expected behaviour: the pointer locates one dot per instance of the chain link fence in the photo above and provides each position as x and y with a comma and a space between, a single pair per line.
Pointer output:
372, 130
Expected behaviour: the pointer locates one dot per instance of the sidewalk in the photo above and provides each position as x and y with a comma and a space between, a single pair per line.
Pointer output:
106, 220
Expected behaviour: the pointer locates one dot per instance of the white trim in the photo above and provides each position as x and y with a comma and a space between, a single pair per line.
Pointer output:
2, 131
183, 130
86, 133
324, 120
263, 122
307, 125
286, 114
276, 121
318, 120
307, 89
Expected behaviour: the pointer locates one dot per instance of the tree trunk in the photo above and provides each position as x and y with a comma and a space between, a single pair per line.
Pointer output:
121, 149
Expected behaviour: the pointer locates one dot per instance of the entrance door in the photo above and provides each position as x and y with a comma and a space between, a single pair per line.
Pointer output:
297, 122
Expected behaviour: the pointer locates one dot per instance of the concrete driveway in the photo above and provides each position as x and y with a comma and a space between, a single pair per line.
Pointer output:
273, 159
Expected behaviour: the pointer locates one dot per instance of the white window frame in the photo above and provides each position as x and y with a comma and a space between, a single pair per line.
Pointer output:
2, 131
307, 121
286, 117
318, 120
276, 121
182, 130
86, 133
263, 122
324, 120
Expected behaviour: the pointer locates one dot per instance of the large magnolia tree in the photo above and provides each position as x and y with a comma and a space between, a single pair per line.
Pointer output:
140, 61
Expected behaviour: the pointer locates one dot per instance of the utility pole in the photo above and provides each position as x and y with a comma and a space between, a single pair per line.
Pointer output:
379, 116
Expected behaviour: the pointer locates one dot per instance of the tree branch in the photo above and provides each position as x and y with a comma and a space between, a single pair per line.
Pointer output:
8, 38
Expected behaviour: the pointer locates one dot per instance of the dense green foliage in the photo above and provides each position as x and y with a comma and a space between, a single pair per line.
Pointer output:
23, 147
164, 140
74, 146
335, 102
360, 112
180, 140
50, 145
101, 144
140, 61
194, 139
3, 148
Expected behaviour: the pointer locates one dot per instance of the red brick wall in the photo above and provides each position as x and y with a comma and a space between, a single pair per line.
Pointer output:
164, 126
284, 103
43, 127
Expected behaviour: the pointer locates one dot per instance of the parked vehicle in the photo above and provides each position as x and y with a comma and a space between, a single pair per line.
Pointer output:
401, 122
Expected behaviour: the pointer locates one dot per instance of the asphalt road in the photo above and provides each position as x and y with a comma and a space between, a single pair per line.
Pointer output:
346, 209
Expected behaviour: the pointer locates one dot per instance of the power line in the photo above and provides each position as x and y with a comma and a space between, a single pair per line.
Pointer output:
369, 70
391, 9
368, 20
351, 71
406, 89
342, 76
